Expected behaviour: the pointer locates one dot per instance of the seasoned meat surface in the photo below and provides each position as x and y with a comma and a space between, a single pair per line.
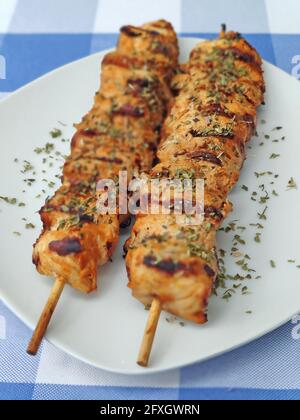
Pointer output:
204, 137
119, 133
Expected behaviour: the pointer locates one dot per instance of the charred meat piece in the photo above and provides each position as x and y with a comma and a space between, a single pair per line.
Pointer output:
204, 136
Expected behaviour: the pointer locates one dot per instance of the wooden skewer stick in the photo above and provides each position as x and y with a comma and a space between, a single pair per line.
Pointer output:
223, 30
45, 317
149, 334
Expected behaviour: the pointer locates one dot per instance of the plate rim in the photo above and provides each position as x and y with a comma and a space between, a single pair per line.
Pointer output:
151, 370
155, 369
105, 51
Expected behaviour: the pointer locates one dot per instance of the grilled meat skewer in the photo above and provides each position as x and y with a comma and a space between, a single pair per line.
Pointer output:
120, 133
204, 136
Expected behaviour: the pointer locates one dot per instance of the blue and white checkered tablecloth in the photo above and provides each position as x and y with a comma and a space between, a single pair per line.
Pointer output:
37, 36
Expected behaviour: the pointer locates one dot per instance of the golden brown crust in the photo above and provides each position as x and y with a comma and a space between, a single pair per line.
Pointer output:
119, 133
204, 136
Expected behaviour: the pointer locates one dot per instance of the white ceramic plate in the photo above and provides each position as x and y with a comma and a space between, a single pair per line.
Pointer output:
105, 329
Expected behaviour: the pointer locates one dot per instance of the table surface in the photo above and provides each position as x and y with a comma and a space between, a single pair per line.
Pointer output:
39, 36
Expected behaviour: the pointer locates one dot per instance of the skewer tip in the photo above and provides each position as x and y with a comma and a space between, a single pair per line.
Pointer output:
38, 335
149, 334
31, 352
223, 29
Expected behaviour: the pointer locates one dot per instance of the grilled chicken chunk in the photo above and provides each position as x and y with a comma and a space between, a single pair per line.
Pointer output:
204, 136
121, 132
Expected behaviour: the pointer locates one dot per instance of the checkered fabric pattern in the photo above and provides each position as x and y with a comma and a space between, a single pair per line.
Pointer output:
38, 36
